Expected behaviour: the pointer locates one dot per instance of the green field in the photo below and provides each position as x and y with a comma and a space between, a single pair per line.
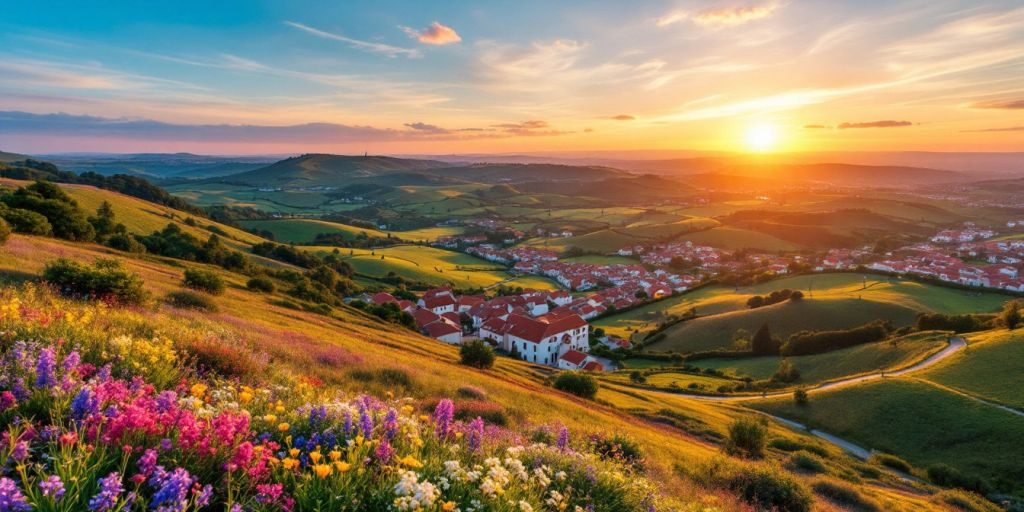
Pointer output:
716, 331
422, 263
676, 380
282, 201
302, 231
607, 241
840, 363
731, 238
991, 368
531, 281
921, 423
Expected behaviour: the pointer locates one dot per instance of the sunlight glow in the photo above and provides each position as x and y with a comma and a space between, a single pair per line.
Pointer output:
762, 137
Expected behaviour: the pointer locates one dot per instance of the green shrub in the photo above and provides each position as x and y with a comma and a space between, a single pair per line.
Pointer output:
468, 410
747, 438
5, 231
579, 384
260, 284
845, 496
800, 396
106, 280
204, 280
472, 392
816, 342
892, 462
764, 486
618, 447
476, 353
786, 373
789, 445
806, 462
26, 221
947, 476
185, 299
963, 500
125, 242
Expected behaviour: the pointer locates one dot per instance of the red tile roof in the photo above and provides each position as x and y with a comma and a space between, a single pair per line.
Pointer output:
438, 329
382, 298
574, 357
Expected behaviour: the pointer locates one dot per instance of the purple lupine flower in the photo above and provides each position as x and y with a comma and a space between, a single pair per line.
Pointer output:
110, 491
11, 498
348, 423
84, 404
45, 366
20, 451
71, 361
475, 436
366, 424
563, 438
52, 487
147, 462
384, 452
7, 401
391, 424
235, 507
316, 415
443, 414
166, 400
166, 444
204, 495
19, 389
103, 374
171, 488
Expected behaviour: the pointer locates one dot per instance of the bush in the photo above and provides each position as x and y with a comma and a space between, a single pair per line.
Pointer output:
579, 384
892, 462
260, 284
789, 445
800, 396
806, 462
476, 353
1010, 315
816, 342
472, 393
5, 231
185, 299
618, 447
26, 221
125, 242
763, 344
786, 373
49, 200
955, 323
764, 486
845, 496
747, 437
106, 280
204, 280
947, 476
965, 501
637, 377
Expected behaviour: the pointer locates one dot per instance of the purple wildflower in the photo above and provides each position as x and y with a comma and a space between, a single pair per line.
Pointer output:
317, 415
11, 498
391, 424
443, 414
563, 438
171, 488
45, 366
268, 493
204, 495
110, 491
348, 423
384, 452
166, 400
84, 404
71, 361
52, 487
366, 424
475, 436
19, 390
20, 451
147, 463
103, 374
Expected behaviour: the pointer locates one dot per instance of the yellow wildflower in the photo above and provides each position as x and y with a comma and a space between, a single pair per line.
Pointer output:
294, 452
342, 466
271, 418
410, 462
198, 389
245, 397
283, 427
322, 470
290, 463
448, 506
334, 455
407, 409
315, 457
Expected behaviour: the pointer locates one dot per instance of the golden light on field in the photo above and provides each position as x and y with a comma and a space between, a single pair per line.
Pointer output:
762, 137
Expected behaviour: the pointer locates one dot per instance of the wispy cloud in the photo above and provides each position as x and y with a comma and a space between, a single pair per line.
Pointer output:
1004, 129
1000, 105
623, 117
721, 17
814, 127
385, 49
875, 124
436, 34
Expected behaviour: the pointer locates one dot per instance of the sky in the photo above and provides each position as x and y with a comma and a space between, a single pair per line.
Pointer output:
261, 77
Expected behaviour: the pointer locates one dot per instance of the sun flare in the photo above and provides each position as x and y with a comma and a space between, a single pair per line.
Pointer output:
762, 137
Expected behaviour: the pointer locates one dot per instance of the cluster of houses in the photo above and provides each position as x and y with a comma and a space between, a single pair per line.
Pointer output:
1001, 268
537, 326
968, 234
663, 254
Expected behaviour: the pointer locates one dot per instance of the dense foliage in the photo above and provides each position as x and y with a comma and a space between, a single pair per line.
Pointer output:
577, 383
476, 353
66, 219
106, 280
955, 323
774, 298
204, 280
816, 342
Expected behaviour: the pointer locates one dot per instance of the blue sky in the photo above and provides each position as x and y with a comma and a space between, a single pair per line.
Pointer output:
511, 76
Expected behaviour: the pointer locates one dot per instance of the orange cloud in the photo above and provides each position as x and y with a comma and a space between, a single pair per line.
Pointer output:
726, 16
876, 124
623, 117
1001, 105
436, 34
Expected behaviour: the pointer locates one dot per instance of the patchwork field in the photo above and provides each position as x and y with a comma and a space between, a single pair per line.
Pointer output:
422, 263
607, 241
921, 423
732, 238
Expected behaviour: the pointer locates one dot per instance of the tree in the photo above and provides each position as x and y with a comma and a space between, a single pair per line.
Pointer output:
260, 284
763, 344
800, 396
786, 372
637, 377
204, 280
1011, 314
796, 296
747, 437
579, 384
755, 302
476, 353
103, 222
5, 231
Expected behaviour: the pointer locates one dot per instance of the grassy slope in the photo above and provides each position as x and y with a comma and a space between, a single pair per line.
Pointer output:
716, 331
421, 263
920, 423
991, 368
733, 238
305, 230
614, 238
832, 365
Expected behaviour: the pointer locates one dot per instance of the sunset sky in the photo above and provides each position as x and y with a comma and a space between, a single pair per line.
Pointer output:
516, 76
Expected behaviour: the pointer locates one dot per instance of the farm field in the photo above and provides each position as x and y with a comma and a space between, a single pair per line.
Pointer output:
532, 281
422, 263
840, 363
717, 331
676, 380
301, 231
732, 238
607, 241
921, 423
283, 201
991, 368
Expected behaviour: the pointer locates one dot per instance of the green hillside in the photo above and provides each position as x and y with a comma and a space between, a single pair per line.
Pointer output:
991, 368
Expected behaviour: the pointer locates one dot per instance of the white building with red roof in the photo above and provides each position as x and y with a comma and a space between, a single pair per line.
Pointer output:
541, 341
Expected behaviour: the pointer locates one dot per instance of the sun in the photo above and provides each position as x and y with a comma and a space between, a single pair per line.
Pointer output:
762, 137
